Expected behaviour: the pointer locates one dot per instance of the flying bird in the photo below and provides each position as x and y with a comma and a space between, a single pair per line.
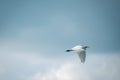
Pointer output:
80, 50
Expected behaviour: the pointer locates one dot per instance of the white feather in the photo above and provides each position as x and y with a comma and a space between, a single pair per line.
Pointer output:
81, 51
82, 56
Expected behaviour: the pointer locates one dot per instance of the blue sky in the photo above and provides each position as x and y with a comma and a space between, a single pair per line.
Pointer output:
36, 33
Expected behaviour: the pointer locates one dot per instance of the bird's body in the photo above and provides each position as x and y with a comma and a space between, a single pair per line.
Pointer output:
81, 51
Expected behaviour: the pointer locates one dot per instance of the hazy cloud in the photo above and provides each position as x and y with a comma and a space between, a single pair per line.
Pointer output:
98, 67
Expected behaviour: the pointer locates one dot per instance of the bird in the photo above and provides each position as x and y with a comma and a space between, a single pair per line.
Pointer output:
80, 50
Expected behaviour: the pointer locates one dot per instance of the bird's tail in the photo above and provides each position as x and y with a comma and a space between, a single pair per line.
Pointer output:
68, 50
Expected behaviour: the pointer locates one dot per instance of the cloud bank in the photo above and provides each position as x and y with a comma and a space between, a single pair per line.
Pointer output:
26, 65
97, 67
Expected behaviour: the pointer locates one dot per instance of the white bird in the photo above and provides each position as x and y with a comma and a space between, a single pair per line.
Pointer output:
80, 50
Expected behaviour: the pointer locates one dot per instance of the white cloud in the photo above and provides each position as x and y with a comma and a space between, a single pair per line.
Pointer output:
71, 71
97, 67
2, 70
30, 59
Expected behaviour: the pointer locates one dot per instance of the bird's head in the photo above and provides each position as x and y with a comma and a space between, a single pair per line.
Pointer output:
84, 47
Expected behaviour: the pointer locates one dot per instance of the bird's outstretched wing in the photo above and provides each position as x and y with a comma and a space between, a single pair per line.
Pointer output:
82, 56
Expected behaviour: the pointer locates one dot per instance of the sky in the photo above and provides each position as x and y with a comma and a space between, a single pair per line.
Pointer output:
34, 35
